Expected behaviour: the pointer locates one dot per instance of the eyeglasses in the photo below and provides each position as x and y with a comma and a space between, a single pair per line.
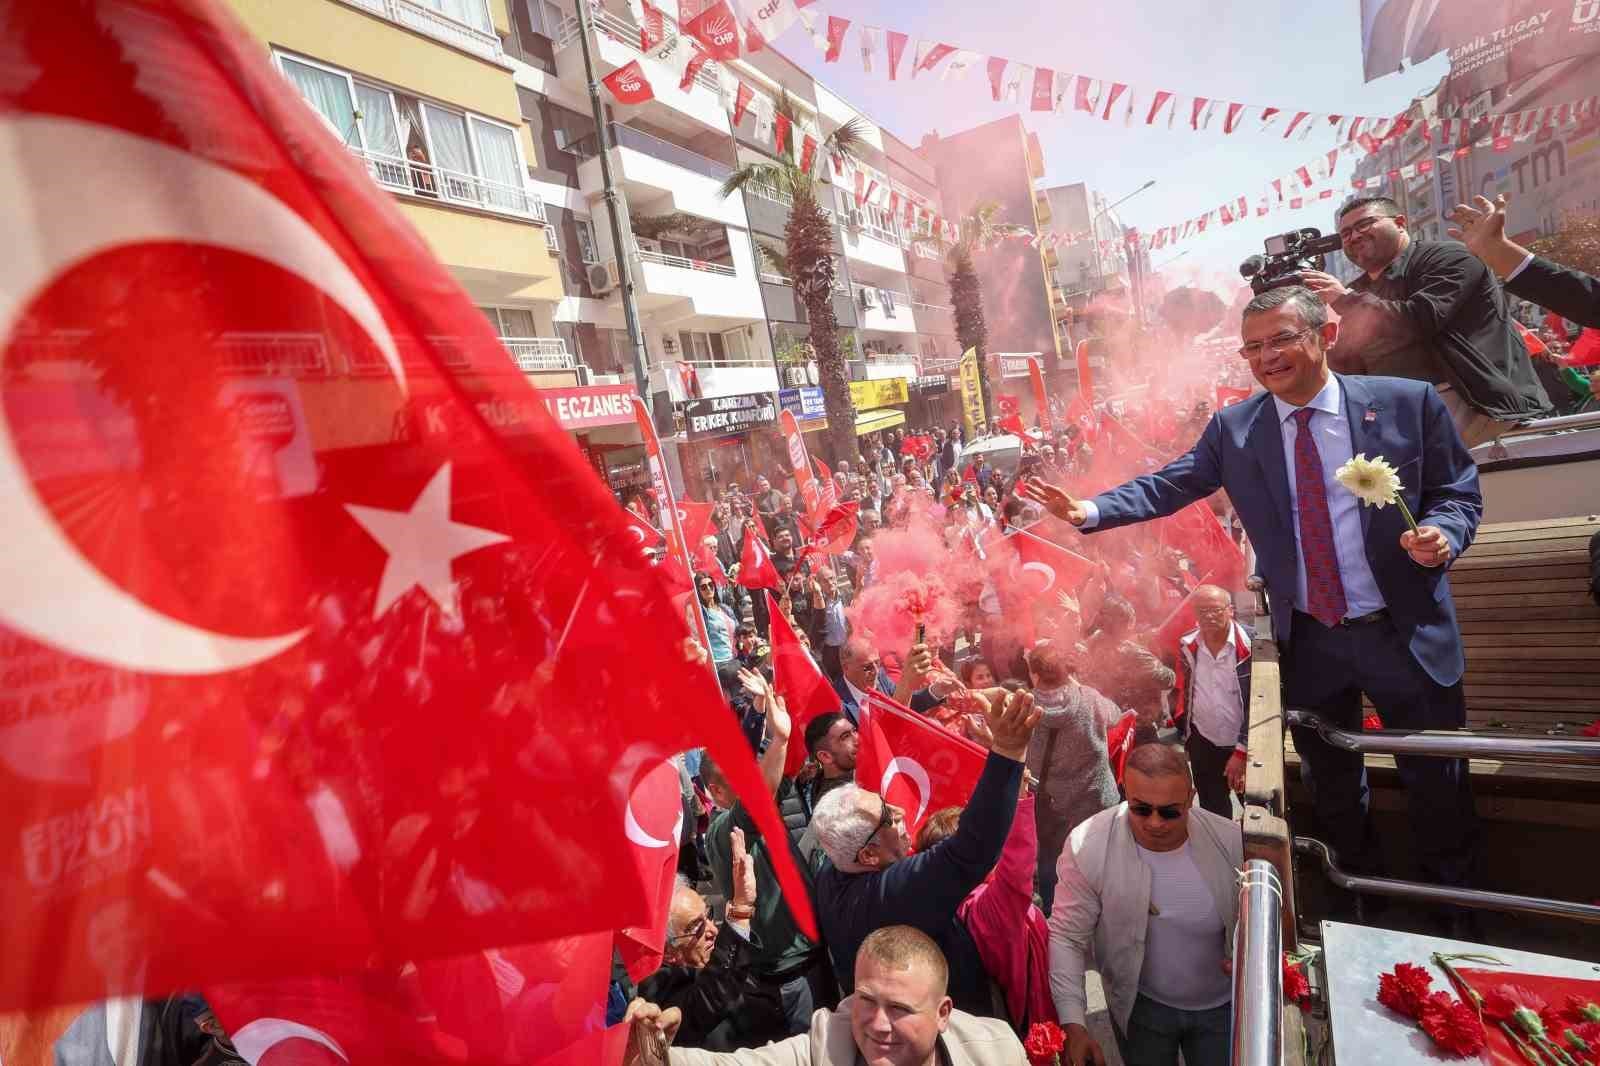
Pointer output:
883, 822
1211, 612
1170, 812
1281, 343
695, 931
1357, 228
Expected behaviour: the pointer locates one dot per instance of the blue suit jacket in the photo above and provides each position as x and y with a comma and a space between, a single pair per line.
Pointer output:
1403, 421
922, 701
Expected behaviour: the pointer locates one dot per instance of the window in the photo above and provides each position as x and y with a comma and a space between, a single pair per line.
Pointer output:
417, 146
735, 347
545, 17
474, 13
511, 321
552, 241
587, 248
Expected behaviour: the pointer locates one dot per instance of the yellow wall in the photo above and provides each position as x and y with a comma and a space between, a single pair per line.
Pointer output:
483, 242
363, 43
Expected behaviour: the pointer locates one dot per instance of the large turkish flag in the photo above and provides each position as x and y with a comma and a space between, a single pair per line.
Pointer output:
322, 646
914, 762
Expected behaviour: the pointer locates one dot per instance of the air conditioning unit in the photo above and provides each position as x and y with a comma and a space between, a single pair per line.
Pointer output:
603, 277
867, 298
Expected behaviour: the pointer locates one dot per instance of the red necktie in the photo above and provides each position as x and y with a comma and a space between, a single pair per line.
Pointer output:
1324, 590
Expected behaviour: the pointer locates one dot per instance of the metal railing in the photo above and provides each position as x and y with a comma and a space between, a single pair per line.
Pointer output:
627, 137
932, 307
1452, 744
435, 24
433, 182
273, 352
1258, 968
540, 353
767, 192
1447, 894
684, 263
627, 34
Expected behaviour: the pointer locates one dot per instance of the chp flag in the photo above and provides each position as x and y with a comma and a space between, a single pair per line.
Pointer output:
290, 711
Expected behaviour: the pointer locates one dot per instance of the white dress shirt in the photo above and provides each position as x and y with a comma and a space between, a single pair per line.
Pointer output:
1217, 704
1330, 428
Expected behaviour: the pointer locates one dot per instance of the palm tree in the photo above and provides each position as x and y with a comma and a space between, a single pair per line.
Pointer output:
979, 231
807, 259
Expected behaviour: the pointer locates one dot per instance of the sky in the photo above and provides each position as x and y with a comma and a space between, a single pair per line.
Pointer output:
1298, 56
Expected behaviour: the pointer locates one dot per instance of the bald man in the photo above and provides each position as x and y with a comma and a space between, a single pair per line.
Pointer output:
1213, 692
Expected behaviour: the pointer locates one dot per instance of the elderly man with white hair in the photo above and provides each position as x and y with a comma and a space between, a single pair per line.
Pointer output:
870, 880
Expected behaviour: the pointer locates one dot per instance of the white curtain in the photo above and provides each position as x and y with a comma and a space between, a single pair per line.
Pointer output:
517, 322
377, 121
497, 156
474, 13
329, 94
447, 132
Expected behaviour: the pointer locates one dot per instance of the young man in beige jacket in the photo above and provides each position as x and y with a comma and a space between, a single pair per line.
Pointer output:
899, 1015
1151, 887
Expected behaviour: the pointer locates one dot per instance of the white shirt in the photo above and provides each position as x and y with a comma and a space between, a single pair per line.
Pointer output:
1184, 941
1331, 431
1217, 704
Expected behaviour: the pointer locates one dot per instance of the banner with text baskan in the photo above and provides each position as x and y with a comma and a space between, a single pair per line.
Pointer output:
1489, 44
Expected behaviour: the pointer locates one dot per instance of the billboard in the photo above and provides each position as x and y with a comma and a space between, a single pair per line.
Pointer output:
1489, 43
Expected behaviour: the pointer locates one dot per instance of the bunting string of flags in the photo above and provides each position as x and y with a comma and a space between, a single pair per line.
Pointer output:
726, 29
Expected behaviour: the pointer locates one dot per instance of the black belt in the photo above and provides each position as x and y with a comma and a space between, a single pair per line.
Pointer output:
1380, 615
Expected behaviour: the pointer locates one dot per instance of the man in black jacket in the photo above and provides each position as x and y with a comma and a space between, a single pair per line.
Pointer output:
1429, 310
870, 880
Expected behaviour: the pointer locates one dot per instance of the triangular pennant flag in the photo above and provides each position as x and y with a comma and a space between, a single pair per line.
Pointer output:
1117, 89
808, 153
929, 55
897, 48
741, 102
1197, 106
780, 132
1232, 119
1018, 77
835, 42
997, 73
1298, 120
1162, 99
960, 64
1269, 115
1044, 86
868, 41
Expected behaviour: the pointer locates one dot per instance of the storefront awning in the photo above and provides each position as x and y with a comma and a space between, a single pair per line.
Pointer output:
881, 418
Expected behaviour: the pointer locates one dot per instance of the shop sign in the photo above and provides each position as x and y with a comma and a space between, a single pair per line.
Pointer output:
884, 392
1016, 366
805, 402
589, 406
931, 384
722, 416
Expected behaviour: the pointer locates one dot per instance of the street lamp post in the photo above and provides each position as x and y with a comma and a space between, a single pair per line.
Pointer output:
1094, 232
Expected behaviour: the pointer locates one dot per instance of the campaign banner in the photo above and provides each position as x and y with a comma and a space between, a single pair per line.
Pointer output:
800, 460
1489, 43
883, 392
972, 415
805, 402
725, 416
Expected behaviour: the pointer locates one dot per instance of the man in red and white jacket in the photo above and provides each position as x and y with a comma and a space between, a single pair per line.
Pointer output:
1213, 693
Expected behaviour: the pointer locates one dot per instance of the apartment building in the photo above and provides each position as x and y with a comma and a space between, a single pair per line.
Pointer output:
1001, 161
721, 321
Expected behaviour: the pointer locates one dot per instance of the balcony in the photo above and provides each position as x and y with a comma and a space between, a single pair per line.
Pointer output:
872, 245
427, 181
934, 318
717, 377
783, 305
617, 44
539, 353
720, 290
439, 26
647, 167
885, 310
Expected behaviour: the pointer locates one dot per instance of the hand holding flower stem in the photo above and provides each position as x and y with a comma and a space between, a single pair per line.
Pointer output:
1376, 483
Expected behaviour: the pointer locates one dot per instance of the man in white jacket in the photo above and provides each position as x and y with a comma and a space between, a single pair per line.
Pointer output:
899, 1015
1150, 885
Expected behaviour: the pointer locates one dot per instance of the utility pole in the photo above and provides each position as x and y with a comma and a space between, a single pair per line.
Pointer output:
613, 200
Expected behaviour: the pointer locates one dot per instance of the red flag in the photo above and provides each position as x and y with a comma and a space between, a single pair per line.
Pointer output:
1530, 339
755, 565
1294, 123
1050, 569
653, 824
780, 132
1044, 89
500, 1006
629, 85
836, 31
1198, 532
1227, 396
1232, 119
1117, 89
314, 651
1161, 100
835, 532
799, 681
935, 55
914, 762
1119, 742
800, 463
1180, 621
694, 519
897, 48
1012, 423
1197, 105
741, 102
997, 73
652, 28
717, 31
645, 534
808, 153
1085, 372
827, 490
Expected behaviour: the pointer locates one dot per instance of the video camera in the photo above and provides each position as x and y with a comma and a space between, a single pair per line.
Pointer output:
1287, 255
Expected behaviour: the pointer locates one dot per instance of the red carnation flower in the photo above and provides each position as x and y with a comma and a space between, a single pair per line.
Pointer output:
1553, 1020
1579, 1009
1588, 1033
1592, 729
1296, 988
1044, 1043
1452, 1025
1501, 1003
1404, 988
1372, 723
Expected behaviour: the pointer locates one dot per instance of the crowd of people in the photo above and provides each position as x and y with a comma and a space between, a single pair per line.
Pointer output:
951, 944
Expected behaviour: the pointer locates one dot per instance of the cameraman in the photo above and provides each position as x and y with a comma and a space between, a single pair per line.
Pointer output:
1429, 310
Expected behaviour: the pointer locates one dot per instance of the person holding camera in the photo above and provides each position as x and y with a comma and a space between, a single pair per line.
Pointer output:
1429, 310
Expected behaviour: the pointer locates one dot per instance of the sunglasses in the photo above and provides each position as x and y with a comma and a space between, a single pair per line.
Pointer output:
1170, 812
883, 822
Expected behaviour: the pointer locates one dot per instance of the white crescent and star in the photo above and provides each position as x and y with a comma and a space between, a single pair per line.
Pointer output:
254, 1039
904, 766
637, 833
48, 589
1045, 569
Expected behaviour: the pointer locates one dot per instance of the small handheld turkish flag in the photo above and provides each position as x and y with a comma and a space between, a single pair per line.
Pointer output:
755, 565
913, 762
1045, 567
323, 663
1227, 396
798, 680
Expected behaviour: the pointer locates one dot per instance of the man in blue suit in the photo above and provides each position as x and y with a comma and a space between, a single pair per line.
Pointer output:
860, 673
1360, 603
